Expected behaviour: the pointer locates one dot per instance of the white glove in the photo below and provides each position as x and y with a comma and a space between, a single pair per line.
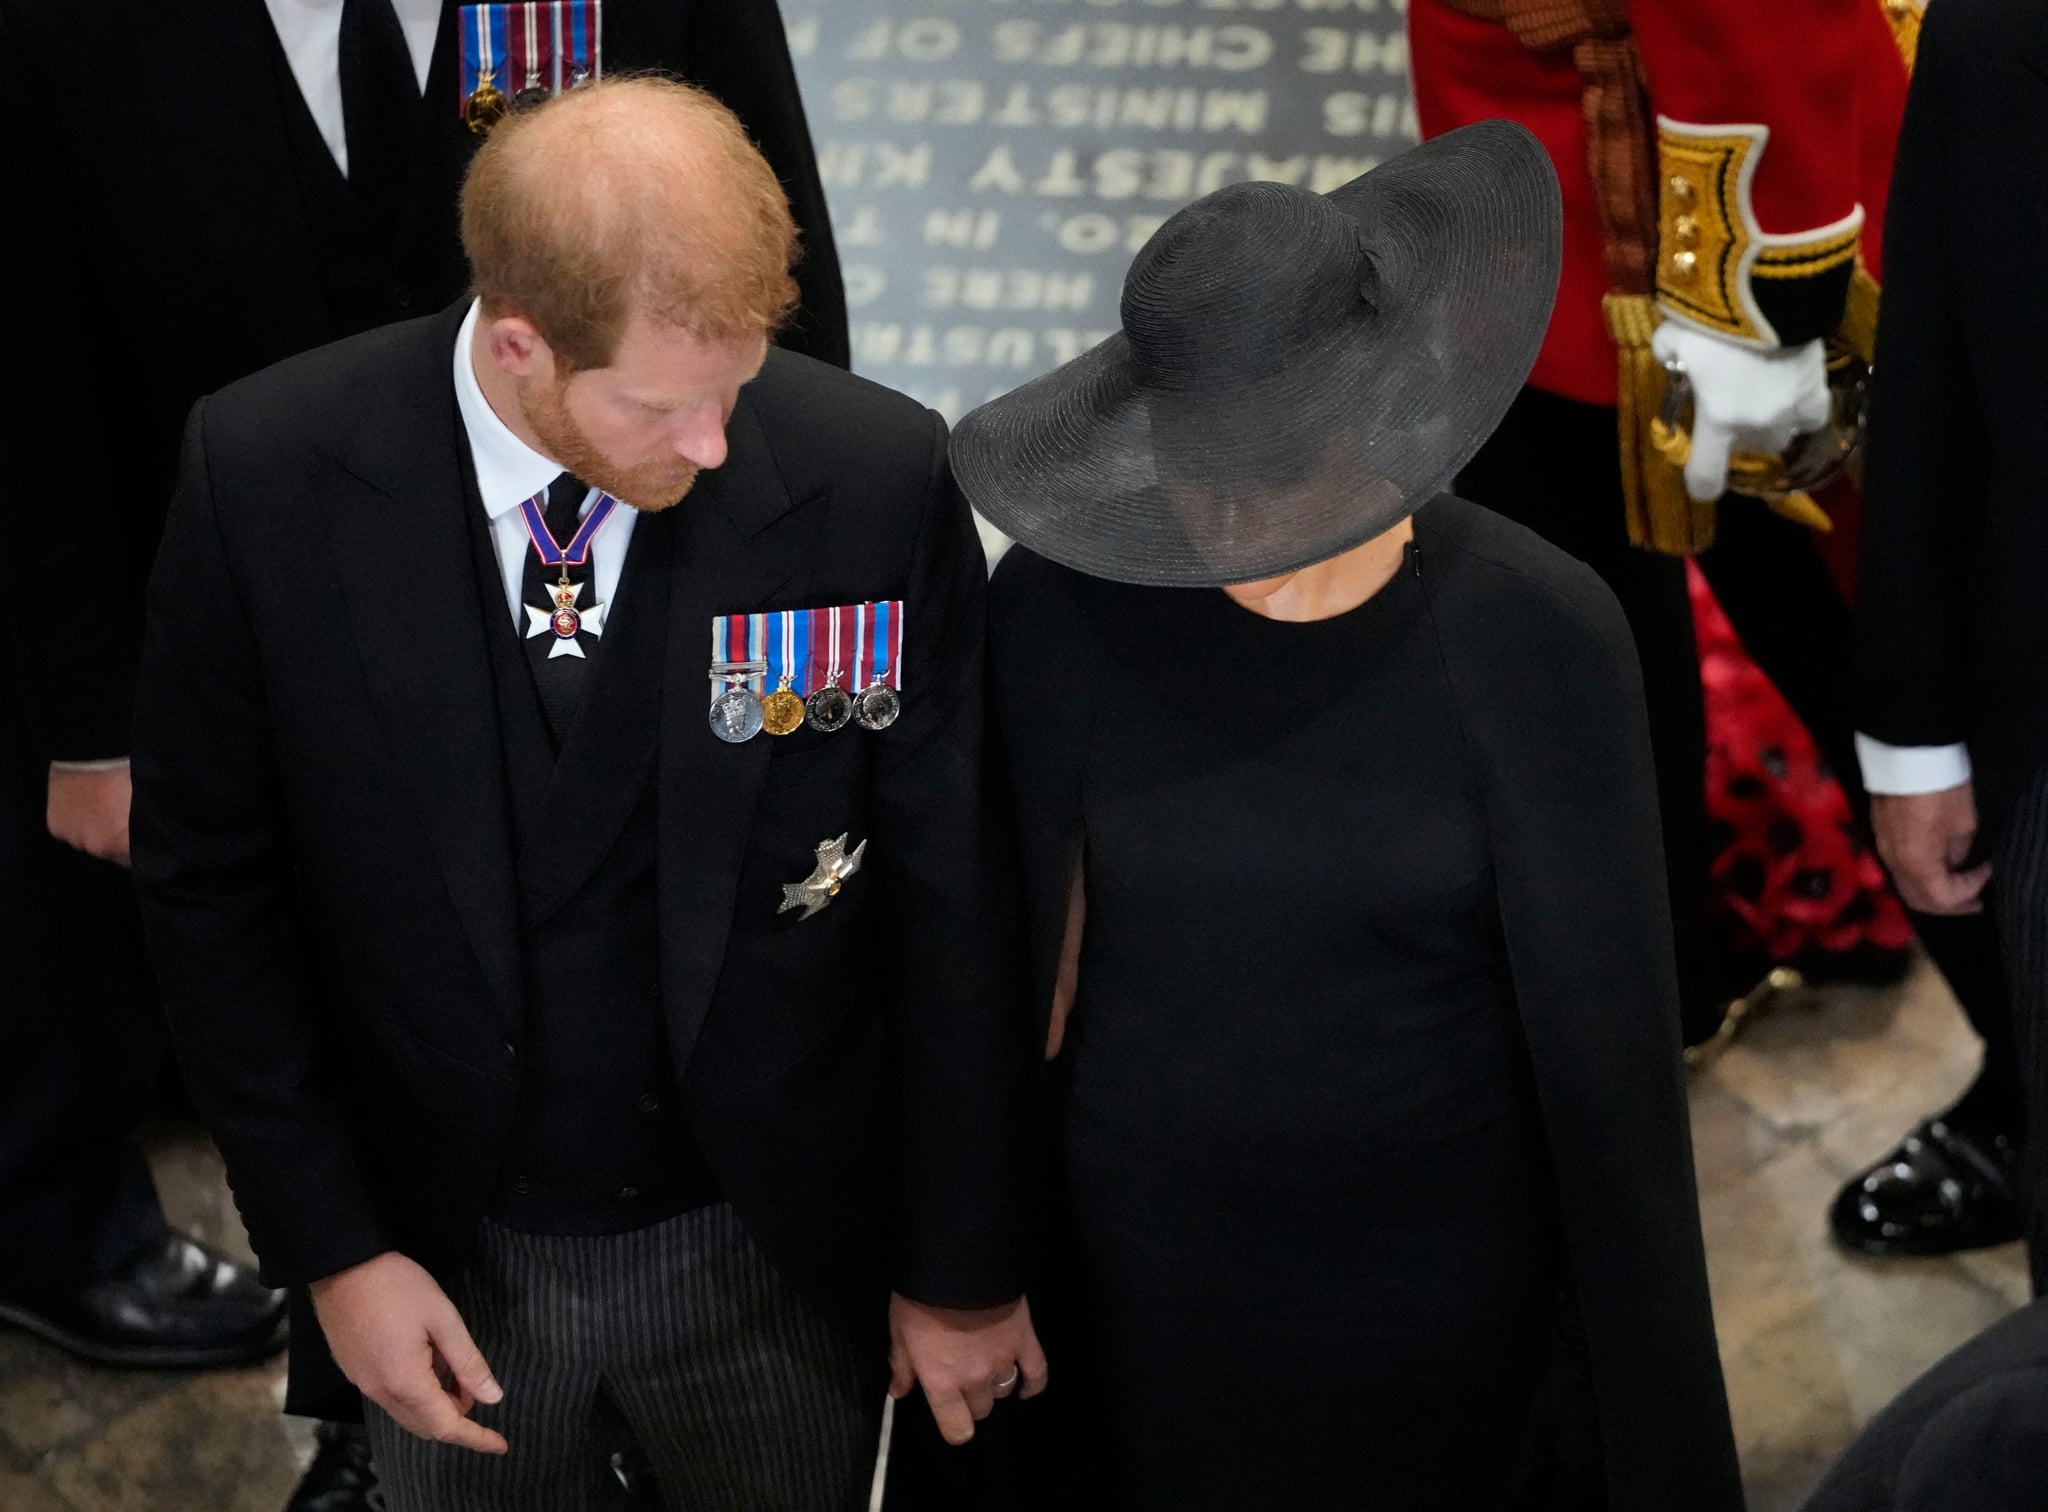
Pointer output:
1744, 398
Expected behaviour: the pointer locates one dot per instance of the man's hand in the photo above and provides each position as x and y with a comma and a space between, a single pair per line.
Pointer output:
1924, 838
965, 1360
1744, 398
88, 811
398, 1338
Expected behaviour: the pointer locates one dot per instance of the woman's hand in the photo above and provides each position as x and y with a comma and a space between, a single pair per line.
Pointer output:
966, 1359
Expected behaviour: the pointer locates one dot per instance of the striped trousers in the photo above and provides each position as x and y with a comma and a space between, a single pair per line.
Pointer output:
744, 1396
2021, 869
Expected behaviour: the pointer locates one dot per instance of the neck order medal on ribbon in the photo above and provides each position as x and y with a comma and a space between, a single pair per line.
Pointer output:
561, 617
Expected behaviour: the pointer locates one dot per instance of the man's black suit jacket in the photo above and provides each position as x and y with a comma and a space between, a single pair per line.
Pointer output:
1953, 605
156, 247
325, 852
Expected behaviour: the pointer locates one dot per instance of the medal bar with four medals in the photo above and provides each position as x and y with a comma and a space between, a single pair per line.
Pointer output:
814, 648
562, 618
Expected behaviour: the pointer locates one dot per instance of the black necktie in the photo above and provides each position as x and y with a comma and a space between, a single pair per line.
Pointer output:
560, 679
380, 104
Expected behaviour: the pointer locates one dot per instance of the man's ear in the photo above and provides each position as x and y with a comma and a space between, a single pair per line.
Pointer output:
517, 347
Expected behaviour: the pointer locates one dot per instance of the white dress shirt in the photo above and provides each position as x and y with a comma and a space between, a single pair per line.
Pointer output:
311, 33
508, 473
1899, 770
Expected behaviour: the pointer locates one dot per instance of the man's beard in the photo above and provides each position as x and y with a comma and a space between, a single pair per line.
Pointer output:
649, 487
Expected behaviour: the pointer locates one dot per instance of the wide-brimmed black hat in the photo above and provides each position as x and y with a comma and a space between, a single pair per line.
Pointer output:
1296, 372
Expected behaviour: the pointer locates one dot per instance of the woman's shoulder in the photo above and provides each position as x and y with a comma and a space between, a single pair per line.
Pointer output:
1032, 602
1493, 578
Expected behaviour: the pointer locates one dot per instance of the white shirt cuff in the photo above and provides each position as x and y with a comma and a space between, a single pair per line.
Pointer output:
1901, 770
110, 764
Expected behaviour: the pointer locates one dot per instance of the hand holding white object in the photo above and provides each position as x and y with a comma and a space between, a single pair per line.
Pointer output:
1745, 398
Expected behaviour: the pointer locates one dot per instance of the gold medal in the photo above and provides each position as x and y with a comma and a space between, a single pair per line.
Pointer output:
782, 712
485, 107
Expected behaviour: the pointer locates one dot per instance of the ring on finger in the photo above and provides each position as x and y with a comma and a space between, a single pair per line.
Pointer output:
1009, 1382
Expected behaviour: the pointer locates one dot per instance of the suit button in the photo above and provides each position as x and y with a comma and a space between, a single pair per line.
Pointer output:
402, 296
649, 1103
511, 1053
627, 1194
521, 1186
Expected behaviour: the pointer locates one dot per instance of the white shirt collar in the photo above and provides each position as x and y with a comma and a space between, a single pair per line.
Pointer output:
508, 471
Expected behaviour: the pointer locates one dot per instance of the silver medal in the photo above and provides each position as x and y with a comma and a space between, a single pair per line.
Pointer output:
829, 709
877, 707
736, 716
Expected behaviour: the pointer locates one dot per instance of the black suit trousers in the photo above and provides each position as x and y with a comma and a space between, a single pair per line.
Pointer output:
1777, 591
2021, 863
82, 1043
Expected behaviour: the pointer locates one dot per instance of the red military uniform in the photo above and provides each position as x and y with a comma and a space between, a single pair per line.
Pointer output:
1726, 159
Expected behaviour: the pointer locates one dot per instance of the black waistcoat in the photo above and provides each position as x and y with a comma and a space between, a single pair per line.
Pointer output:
600, 1144
376, 269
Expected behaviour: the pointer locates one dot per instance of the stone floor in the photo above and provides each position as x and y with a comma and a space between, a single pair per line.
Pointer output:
1814, 1342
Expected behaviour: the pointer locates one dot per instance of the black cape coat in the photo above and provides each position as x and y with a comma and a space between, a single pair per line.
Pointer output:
1635, 1415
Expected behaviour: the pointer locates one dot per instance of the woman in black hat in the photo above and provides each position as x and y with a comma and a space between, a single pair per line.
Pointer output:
1341, 839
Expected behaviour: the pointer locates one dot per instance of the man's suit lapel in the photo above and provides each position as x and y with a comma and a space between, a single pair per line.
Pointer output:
402, 551
743, 545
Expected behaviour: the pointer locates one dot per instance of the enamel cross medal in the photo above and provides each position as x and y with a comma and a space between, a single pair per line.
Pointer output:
561, 617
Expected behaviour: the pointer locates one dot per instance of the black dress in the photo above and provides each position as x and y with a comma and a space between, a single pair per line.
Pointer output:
1372, 1174
1304, 1178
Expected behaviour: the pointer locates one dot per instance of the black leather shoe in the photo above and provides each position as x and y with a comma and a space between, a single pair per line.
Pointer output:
1945, 1189
342, 1477
177, 1304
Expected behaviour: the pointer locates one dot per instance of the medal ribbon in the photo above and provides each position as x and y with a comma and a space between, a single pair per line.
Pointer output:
782, 650
526, 61
586, 21
486, 40
792, 649
858, 644
524, 42
885, 660
477, 55
577, 552
824, 666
